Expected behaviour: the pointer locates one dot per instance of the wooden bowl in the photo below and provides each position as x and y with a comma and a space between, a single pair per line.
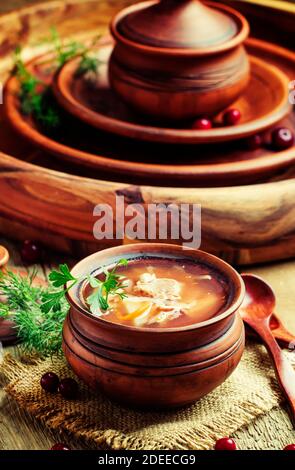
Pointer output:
132, 161
263, 104
138, 366
176, 60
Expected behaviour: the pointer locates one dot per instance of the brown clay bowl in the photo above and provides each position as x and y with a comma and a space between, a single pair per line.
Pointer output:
137, 366
152, 388
8, 333
175, 82
153, 392
139, 339
263, 104
131, 161
200, 355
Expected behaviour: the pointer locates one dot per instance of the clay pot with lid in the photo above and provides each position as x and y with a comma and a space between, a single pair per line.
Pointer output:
178, 59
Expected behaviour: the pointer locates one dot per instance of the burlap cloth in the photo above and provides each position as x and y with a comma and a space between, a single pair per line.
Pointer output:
250, 392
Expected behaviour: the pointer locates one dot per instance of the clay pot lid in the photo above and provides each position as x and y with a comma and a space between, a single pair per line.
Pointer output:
182, 25
4, 256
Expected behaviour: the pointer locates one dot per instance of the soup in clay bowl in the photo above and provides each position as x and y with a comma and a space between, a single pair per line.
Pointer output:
172, 336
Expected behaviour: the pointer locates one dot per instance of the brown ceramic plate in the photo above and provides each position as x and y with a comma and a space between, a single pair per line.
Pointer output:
264, 103
127, 159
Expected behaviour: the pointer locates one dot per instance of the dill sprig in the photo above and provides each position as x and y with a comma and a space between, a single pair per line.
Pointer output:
98, 299
39, 332
88, 64
39, 312
65, 51
35, 95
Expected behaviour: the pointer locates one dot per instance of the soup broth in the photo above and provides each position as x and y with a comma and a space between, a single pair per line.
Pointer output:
164, 293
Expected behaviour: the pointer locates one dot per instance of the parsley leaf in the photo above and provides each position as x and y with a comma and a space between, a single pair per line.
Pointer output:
61, 277
111, 285
97, 300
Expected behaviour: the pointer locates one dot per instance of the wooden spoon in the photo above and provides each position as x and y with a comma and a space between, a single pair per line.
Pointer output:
281, 334
256, 312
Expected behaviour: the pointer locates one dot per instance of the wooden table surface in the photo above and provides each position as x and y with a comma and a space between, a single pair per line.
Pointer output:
19, 431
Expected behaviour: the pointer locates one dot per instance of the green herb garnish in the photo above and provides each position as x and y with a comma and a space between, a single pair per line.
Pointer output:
35, 95
98, 300
88, 64
39, 332
65, 51
39, 312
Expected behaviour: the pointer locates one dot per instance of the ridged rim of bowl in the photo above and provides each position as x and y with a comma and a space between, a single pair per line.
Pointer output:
175, 370
243, 32
145, 249
181, 358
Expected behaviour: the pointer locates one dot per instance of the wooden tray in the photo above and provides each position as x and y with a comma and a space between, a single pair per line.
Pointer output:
44, 199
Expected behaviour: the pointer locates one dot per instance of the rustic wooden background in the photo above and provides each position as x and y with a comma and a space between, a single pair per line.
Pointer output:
7, 5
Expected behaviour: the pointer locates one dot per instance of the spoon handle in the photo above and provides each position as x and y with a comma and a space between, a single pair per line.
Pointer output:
281, 334
283, 368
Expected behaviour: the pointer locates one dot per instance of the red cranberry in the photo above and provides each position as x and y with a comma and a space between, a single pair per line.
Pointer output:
226, 443
231, 117
60, 446
68, 388
254, 142
290, 447
49, 382
31, 252
282, 138
202, 124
